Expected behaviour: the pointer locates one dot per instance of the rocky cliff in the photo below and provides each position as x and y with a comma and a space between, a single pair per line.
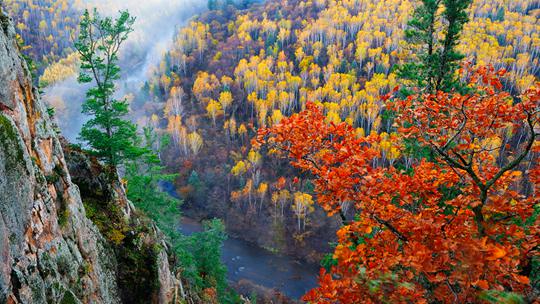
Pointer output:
50, 251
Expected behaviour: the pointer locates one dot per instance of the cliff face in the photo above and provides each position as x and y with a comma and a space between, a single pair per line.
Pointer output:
50, 251
143, 273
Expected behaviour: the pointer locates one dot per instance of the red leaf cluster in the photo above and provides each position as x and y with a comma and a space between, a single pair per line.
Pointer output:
444, 229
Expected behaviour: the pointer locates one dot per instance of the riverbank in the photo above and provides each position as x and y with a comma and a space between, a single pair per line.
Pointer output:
248, 265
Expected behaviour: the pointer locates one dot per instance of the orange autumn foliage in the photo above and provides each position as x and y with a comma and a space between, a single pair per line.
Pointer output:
447, 228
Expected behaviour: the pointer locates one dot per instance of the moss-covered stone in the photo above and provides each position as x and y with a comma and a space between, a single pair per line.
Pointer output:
9, 140
69, 298
133, 241
137, 271
46, 264
55, 175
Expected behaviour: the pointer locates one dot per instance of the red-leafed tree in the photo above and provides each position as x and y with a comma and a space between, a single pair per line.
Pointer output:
458, 227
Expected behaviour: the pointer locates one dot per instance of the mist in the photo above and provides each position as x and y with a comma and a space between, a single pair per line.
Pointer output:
156, 22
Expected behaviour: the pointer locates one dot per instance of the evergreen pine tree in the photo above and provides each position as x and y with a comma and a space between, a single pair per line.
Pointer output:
436, 59
111, 137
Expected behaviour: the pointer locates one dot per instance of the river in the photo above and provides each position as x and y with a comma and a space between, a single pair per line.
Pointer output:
246, 261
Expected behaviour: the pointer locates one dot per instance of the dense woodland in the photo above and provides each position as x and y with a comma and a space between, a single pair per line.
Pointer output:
233, 72
408, 149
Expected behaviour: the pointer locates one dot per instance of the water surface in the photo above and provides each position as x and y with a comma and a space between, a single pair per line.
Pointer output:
247, 261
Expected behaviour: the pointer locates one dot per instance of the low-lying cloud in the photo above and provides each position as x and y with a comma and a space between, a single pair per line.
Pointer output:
156, 23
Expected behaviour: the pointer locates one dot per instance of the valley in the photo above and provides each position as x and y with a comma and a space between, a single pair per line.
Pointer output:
288, 151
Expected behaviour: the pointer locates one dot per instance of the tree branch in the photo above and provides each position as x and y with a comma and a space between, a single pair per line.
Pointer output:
518, 160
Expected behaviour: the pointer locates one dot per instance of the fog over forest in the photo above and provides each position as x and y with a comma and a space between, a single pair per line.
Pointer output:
156, 23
